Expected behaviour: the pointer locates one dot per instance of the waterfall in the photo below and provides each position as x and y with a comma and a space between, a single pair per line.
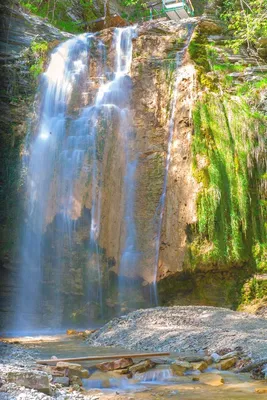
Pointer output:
129, 257
67, 67
63, 156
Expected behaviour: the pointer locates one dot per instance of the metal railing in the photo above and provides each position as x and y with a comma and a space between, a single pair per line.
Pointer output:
186, 4
158, 9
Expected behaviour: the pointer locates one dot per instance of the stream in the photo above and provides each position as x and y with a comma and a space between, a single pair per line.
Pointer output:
156, 383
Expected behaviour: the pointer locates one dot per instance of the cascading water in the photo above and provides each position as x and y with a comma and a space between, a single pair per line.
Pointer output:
129, 257
67, 67
64, 156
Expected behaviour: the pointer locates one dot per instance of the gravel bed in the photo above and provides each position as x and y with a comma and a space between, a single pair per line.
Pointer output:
190, 328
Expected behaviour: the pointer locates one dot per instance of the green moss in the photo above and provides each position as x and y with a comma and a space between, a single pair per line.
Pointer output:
229, 207
260, 256
253, 289
198, 52
38, 54
210, 287
228, 67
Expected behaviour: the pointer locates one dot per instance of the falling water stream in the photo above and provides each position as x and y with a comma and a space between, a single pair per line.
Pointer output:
62, 156
50, 150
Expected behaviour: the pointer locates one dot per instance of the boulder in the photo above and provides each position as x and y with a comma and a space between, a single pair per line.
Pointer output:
210, 27
180, 367
56, 372
200, 366
123, 371
84, 374
261, 390
108, 22
71, 369
120, 364
142, 366
212, 379
62, 380
72, 332
227, 364
31, 380
76, 380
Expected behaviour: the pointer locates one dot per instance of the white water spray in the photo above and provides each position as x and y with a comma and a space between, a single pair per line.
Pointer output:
63, 155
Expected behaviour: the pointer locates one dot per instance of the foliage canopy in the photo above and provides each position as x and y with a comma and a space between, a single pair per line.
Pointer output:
247, 19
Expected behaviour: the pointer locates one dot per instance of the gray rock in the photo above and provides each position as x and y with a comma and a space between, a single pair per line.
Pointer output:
62, 380
229, 355
73, 369
31, 380
215, 357
142, 366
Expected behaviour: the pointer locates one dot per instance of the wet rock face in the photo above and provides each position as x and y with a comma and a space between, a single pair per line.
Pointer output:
154, 74
152, 77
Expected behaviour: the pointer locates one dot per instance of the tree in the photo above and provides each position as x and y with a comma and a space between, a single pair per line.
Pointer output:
248, 21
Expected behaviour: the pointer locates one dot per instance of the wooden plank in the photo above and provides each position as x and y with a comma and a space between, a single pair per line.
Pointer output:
94, 358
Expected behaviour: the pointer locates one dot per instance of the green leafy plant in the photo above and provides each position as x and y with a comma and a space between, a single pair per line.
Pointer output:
260, 255
247, 20
56, 12
38, 53
37, 56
